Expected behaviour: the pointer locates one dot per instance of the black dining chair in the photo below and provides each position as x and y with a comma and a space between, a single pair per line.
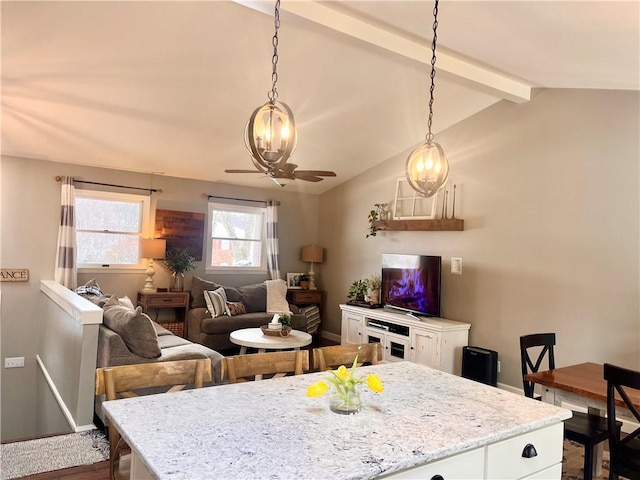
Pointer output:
624, 452
586, 429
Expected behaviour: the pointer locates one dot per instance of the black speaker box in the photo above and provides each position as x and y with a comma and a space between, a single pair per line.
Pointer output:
480, 364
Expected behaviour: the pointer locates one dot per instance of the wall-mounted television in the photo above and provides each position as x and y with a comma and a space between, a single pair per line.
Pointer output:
412, 283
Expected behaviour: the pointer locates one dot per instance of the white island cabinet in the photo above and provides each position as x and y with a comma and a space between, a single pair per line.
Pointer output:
426, 424
434, 342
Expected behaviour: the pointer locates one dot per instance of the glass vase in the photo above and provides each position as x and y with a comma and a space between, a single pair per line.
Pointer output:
345, 400
177, 282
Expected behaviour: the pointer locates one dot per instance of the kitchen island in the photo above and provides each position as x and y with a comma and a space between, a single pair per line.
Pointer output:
426, 422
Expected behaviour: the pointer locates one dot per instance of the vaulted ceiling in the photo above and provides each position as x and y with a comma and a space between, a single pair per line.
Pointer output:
167, 87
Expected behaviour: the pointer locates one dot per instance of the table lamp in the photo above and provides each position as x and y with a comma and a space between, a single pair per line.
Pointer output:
312, 254
151, 248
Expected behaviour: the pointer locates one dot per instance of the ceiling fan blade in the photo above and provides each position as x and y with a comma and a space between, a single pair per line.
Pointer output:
307, 178
242, 171
275, 180
317, 173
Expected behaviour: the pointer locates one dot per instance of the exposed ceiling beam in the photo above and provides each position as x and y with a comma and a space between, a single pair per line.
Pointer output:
474, 76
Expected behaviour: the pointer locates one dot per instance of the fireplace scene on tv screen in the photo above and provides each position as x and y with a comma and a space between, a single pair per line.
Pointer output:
406, 289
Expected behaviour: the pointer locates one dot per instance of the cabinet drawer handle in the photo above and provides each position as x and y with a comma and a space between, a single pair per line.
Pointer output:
437, 477
529, 451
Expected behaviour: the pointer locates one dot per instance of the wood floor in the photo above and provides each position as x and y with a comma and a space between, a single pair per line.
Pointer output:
97, 471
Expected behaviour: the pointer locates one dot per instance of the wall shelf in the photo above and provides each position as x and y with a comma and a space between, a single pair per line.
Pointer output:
442, 224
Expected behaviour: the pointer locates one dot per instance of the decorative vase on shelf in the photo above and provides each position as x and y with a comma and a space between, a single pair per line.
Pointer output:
177, 282
345, 400
374, 297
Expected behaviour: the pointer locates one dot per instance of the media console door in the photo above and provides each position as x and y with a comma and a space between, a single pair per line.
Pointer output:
351, 328
425, 348
434, 342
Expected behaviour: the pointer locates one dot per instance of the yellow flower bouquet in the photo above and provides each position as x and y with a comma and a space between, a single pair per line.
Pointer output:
345, 388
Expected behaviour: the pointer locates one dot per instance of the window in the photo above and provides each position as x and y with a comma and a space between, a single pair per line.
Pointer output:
108, 228
410, 205
236, 238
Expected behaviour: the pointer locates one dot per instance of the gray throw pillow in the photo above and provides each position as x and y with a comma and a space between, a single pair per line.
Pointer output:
135, 328
198, 287
254, 297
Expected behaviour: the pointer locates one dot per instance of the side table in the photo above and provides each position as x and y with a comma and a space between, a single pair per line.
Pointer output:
302, 298
179, 301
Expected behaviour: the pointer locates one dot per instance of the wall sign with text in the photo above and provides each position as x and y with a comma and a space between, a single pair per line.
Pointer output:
14, 274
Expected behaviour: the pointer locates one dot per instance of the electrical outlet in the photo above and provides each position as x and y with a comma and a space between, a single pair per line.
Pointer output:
14, 362
498, 366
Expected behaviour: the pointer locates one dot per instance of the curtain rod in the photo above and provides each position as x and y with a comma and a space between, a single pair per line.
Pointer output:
75, 180
264, 202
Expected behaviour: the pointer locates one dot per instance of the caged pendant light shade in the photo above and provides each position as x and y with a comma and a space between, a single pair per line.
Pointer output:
427, 168
271, 135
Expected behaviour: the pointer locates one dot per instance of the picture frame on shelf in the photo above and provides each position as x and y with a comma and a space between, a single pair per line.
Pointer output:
293, 281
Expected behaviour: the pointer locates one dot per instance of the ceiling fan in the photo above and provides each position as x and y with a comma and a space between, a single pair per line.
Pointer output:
287, 171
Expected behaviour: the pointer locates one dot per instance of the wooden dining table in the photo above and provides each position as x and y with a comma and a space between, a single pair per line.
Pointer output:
582, 385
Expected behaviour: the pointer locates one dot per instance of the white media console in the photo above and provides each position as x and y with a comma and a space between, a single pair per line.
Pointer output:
434, 342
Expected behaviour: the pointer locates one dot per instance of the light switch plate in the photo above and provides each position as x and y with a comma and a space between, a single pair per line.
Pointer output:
456, 265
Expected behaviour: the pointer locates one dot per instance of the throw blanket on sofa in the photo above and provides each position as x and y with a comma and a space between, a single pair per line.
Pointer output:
277, 296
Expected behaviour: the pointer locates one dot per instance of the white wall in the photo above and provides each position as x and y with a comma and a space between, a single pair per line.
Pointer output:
549, 194
30, 199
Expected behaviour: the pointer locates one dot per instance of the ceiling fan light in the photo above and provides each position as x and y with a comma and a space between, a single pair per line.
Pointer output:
427, 169
270, 135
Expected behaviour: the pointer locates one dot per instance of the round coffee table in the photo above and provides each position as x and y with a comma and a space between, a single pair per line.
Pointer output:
254, 338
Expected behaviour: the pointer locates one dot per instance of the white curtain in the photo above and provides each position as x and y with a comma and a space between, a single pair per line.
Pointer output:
273, 250
66, 272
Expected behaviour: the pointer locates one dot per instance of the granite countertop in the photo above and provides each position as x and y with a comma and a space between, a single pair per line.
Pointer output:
270, 429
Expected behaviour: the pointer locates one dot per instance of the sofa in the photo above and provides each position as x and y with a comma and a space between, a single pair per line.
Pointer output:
128, 336
213, 330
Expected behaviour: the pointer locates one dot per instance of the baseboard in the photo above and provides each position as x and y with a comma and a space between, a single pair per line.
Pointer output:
330, 336
509, 388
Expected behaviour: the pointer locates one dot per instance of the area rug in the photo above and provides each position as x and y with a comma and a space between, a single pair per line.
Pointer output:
19, 459
573, 462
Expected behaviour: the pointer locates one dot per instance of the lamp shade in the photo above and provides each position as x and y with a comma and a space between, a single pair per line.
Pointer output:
152, 248
312, 254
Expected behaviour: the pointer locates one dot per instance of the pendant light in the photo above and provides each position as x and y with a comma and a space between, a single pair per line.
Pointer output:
270, 134
427, 169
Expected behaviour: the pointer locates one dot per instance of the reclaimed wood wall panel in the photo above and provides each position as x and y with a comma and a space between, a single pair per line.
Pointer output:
181, 230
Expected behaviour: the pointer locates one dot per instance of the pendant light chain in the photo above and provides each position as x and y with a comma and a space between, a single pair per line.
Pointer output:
427, 168
433, 70
273, 94
271, 135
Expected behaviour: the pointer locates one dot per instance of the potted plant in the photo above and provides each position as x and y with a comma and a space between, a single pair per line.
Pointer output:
285, 320
374, 282
304, 281
376, 214
357, 290
179, 261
